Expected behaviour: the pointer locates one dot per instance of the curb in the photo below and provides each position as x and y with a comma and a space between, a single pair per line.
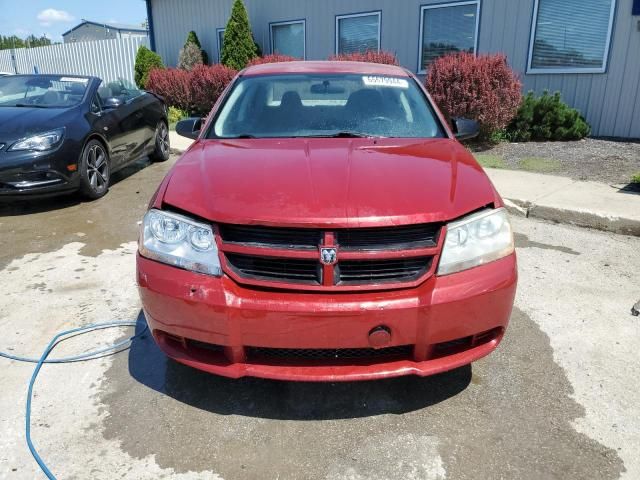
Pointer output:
584, 219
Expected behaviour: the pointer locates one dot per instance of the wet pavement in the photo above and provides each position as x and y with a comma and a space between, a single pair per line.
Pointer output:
556, 400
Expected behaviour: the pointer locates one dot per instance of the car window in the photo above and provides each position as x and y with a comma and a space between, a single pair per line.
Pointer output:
122, 89
301, 105
44, 91
96, 104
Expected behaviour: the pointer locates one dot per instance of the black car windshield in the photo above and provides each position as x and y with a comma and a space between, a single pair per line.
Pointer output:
332, 105
42, 91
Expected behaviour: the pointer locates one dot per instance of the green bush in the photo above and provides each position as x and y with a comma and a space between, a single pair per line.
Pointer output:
547, 118
192, 37
175, 115
239, 47
145, 61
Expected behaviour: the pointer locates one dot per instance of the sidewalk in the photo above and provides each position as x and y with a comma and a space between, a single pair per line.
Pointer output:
179, 143
548, 197
563, 200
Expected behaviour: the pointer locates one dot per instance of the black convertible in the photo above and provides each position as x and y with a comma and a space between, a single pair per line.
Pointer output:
64, 133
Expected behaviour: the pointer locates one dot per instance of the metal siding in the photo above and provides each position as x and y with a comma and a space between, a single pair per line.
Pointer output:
610, 101
107, 59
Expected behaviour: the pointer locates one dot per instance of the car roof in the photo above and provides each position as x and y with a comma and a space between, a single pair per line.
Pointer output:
360, 68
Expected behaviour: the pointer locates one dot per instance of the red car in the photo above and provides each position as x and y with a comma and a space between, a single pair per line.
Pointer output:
326, 225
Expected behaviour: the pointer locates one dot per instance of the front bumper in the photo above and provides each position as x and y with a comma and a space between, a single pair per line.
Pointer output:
33, 173
214, 324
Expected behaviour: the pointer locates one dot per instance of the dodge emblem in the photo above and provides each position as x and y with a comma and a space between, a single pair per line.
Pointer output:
328, 256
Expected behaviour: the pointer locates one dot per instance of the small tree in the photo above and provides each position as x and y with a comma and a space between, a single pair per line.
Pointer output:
481, 88
190, 56
239, 47
145, 61
192, 37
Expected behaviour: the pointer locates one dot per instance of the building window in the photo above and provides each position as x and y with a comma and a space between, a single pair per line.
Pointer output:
288, 38
358, 32
570, 36
447, 28
220, 33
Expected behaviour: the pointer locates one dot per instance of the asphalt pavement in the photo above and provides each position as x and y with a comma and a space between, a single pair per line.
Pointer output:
559, 399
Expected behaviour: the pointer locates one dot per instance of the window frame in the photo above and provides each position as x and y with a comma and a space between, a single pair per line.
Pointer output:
218, 31
378, 13
546, 71
421, 70
303, 21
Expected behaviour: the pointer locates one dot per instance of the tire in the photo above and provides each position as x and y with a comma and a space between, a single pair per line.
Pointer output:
162, 147
95, 170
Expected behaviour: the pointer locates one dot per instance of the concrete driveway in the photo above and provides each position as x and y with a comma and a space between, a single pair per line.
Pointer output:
558, 400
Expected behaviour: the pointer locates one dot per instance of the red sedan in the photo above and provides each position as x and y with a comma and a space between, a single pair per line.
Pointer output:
326, 225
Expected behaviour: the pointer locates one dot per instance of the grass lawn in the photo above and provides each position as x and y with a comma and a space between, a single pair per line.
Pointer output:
540, 165
490, 161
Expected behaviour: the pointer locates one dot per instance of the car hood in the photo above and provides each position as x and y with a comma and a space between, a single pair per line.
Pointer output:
328, 182
20, 122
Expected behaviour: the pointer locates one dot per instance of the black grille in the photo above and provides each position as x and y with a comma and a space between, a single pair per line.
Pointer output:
387, 238
357, 272
273, 268
328, 354
271, 236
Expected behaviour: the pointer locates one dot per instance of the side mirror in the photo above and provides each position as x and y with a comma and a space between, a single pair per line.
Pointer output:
112, 102
189, 127
464, 129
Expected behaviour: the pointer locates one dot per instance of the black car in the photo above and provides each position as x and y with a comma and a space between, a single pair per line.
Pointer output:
65, 133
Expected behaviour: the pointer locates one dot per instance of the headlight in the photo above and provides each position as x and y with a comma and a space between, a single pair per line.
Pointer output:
41, 142
475, 240
179, 241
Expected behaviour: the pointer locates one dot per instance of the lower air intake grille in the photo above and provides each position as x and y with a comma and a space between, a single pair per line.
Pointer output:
328, 354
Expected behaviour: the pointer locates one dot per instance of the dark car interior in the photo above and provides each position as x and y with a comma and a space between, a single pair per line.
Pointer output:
299, 110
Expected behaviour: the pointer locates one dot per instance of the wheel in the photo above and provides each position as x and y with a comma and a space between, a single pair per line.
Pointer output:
162, 148
95, 170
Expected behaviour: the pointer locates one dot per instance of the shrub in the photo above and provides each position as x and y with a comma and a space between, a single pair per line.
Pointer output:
239, 47
190, 56
370, 56
192, 37
273, 58
146, 60
174, 85
195, 91
482, 88
175, 115
207, 83
547, 118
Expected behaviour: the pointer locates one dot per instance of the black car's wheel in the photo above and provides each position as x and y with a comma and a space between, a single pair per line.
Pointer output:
95, 170
162, 148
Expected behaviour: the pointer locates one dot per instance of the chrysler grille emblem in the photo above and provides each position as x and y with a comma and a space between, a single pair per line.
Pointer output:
328, 256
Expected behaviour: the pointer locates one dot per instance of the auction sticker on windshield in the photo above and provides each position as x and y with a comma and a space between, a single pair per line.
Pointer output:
374, 81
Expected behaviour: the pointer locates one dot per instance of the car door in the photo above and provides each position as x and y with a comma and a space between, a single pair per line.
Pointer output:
123, 118
105, 123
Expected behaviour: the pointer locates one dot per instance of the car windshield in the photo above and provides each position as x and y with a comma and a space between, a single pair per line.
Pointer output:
42, 91
335, 105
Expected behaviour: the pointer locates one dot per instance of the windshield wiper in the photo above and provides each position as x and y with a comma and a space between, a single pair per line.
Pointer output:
342, 134
239, 136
